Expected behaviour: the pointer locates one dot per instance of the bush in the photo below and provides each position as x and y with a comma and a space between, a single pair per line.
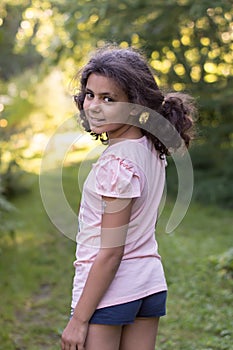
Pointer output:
10, 184
7, 226
224, 264
213, 175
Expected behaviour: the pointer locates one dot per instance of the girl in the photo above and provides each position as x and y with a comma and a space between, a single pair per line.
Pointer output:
119, 287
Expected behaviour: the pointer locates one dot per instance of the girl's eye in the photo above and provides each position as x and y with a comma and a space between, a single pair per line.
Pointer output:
108, 99
89, 95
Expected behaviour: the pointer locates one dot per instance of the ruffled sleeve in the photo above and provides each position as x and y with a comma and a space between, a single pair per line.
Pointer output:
116, 177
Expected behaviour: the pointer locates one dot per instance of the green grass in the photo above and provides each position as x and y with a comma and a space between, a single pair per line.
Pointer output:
36, 277
200, 316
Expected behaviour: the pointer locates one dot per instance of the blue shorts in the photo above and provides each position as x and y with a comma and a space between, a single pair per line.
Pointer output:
153, 305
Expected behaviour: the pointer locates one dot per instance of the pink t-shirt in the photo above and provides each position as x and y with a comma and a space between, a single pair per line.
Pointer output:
126, 169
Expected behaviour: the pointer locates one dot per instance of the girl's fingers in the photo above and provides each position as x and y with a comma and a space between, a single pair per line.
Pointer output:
74, 347
66, 346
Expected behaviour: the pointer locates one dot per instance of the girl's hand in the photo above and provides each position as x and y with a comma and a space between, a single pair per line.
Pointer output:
74, 335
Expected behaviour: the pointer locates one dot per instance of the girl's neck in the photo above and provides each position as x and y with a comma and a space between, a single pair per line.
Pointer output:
127, 132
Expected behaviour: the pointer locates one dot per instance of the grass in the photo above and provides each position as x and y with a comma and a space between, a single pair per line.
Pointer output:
199, 316
36, 277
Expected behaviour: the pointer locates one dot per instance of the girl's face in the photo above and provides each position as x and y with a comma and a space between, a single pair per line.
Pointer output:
105, 106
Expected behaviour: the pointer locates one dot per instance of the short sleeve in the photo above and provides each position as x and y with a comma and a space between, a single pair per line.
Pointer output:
115, 177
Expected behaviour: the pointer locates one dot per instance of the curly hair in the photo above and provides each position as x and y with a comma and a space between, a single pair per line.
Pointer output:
131, 72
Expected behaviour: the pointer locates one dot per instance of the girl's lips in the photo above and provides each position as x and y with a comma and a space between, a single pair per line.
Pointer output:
93, 118
97, 120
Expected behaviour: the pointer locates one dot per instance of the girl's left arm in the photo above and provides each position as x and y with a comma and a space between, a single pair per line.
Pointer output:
115, 220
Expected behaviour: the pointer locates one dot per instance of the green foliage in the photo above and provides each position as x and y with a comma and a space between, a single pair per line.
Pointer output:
10, 157
6, 209
10, 177
12, 62
192, 51
212, 175
36, 278
224, 264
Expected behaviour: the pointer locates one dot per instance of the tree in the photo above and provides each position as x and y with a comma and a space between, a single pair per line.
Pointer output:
13, 60
188, 43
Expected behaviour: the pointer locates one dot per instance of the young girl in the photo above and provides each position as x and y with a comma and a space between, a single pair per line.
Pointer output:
119, 288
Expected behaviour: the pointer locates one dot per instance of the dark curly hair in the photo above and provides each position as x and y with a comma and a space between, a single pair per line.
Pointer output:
130, 71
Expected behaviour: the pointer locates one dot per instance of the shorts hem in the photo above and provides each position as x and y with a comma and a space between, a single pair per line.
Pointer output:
152, 306
124, 323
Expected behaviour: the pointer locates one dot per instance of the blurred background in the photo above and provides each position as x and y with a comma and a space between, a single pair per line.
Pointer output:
189, 44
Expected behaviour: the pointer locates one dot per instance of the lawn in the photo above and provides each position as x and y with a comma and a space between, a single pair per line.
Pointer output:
36, 277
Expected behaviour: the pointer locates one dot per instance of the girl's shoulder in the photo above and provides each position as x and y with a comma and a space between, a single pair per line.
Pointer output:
117, 176
128, 148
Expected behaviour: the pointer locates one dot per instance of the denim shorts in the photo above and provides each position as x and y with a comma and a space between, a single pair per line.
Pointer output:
153, 305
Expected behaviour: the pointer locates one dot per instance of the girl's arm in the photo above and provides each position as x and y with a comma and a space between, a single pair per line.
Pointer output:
115, 220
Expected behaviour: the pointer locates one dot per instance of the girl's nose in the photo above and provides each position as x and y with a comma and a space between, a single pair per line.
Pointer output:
95, 105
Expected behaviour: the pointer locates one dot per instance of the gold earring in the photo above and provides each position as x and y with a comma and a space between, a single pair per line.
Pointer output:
144, 116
